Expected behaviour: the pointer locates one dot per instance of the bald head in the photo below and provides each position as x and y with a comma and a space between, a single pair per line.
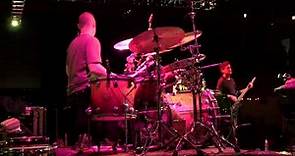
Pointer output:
87, 23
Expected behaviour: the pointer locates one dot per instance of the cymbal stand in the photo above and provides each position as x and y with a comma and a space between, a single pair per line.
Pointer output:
159, 122
196, 89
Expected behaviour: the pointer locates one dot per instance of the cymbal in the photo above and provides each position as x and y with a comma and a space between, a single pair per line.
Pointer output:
160, 52
181, 64
167, 37
123, 45
187, 38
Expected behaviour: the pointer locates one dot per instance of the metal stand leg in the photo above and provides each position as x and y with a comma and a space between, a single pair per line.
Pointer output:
126, 127
234, 124
152, 135
209, 127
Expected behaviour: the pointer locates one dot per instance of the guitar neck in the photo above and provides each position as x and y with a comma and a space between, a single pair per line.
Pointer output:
245, 90
243, 94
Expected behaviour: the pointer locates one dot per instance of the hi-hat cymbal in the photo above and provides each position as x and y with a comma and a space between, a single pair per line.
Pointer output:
188, 37
123, 45
167, 37
182, 64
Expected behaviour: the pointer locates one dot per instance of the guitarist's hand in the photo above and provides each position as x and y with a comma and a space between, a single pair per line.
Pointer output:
250, 85
232, 98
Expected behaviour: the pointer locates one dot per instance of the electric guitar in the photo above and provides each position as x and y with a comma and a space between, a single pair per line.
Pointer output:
240, 98
246, 90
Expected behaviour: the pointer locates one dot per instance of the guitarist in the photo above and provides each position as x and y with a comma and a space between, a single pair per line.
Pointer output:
226, 85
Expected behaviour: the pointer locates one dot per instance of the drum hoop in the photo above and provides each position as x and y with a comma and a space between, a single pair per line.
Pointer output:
144, 80
112, 79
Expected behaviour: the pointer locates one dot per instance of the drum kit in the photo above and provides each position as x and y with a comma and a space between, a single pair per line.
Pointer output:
142, 90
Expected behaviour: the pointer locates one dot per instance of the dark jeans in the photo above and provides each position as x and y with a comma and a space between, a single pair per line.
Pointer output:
75, 117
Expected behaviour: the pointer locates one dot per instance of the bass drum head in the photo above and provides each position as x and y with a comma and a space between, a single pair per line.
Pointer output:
181, 106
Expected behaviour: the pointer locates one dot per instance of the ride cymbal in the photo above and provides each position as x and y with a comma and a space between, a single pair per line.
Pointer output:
167, 37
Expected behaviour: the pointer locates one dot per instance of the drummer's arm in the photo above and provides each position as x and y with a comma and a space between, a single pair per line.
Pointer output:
290, 81
93, 58
97, 69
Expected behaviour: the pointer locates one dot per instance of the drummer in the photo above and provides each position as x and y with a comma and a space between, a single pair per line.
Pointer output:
83, 58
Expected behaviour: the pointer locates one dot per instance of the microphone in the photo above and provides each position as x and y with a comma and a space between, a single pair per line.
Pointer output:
150, 20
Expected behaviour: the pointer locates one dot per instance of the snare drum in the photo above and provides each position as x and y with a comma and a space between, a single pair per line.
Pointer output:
110, 97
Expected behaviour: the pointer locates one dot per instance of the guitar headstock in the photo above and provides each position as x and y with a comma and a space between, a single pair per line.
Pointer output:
253, 80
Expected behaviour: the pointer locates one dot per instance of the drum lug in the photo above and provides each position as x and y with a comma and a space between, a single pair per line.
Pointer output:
115, 84
116, 110
97, 110
97, 84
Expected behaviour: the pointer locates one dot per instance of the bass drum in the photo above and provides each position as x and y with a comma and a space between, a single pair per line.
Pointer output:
181, 106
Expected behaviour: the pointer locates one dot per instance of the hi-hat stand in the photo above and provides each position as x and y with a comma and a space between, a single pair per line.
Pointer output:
196, 90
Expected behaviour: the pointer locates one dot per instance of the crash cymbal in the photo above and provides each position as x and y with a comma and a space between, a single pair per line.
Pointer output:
188, 37
167, 37
123, 45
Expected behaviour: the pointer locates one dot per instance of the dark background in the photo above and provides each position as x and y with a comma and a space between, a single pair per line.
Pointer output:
32, 59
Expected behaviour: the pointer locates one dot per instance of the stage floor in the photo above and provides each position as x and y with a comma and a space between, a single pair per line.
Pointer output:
210, 151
